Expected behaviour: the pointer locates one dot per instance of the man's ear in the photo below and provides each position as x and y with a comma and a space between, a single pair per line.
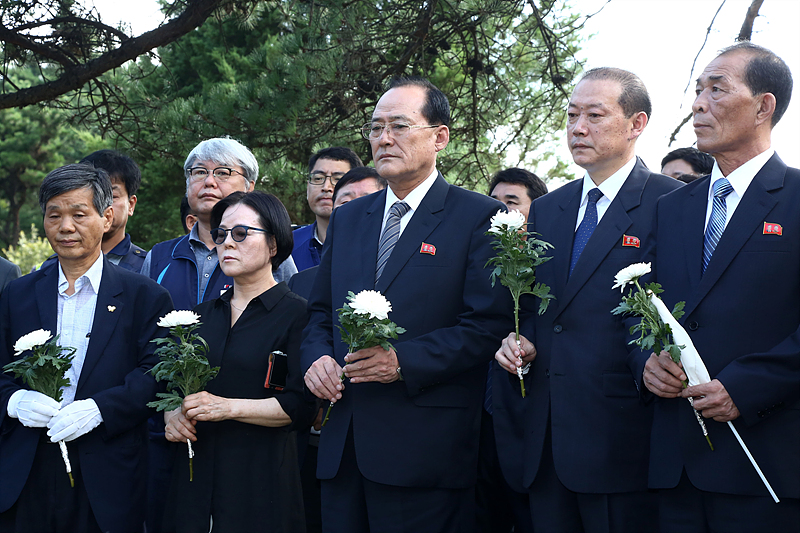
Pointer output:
132, 204
765, 109
108, 215
639, 121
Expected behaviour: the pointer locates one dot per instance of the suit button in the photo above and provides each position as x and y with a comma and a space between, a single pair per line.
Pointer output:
693, 325
558, 328
547, 372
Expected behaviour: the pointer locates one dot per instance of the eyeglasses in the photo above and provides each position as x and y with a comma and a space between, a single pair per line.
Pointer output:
238, 233
372, 131
221, 174
318, 178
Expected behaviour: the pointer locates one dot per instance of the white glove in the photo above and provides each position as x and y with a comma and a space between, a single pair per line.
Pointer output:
33, 409
74, 420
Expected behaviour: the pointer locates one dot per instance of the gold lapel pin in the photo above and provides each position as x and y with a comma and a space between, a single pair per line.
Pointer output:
112, 308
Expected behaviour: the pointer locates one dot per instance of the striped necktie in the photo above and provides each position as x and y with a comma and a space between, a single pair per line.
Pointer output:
389, 236
716, 222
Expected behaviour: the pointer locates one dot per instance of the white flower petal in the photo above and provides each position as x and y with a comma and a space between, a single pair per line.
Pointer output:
178, 318
630, 274
31, 340
371, 303
508, 222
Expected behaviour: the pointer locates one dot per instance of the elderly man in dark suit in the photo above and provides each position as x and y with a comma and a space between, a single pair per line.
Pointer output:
579, 442
727, 245
109, 315
399, 452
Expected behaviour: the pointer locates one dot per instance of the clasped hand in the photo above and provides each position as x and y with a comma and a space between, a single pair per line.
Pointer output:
663, 377
375, 364
198, 407
510, 356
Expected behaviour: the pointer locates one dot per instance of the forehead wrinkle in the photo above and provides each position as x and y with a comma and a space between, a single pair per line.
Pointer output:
587, 106
391, 118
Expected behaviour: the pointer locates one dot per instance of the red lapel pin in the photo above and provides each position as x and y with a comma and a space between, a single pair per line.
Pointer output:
770, 228
427, 249
630, 240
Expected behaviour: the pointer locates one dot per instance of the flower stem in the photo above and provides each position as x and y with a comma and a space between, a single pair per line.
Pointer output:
191, 460
330, 406
65, 456
699, 419
516, 329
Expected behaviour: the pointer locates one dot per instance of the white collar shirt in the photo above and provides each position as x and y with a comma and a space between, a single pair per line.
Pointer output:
413, 199
739, 179
76, 318
610, 188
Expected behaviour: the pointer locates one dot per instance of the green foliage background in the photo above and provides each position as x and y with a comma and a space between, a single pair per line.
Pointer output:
287, 78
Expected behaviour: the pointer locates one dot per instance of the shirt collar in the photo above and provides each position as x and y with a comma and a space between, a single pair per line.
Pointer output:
741, 177
195, 242
123, 247
91, 276
611, 186
414, 198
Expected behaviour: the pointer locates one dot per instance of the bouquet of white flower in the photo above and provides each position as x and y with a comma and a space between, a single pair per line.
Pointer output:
518, 255
654, 334
44, 370
364, 323
183, 364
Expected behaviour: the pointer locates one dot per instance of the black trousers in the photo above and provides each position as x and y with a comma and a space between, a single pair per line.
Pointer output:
353, 504
687, 509
556, 509
47, 503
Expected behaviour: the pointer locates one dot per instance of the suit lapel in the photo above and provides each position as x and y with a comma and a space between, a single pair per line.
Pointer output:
561, 234
47, 297
423, 221
367, 237
691, 223
608, 233
753, 208
106, 315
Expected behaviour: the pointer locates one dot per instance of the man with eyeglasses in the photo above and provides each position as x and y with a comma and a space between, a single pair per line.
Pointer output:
325, 168
400, 449
188, 267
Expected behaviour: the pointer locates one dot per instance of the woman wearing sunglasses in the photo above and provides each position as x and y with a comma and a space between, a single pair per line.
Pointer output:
246, 475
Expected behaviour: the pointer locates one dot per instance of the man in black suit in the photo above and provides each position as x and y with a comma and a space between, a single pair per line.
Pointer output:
579, 441
727, 245
109, 315
399, 452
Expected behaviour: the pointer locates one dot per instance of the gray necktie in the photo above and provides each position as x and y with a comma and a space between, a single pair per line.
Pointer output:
389, 236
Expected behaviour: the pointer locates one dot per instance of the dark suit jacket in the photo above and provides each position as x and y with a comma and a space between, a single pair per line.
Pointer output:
421, 432
743, 315
8, 272
113, 456
582, 377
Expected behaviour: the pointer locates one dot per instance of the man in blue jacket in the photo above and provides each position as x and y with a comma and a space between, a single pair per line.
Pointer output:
325, 168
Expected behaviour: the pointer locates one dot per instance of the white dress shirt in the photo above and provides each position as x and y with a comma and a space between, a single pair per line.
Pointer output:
739, 179
75, 319
413, 199
610, 188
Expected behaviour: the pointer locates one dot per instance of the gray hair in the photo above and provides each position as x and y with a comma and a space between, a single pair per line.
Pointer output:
225, 151
79, 176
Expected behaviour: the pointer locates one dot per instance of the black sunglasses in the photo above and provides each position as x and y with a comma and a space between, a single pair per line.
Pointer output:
238, 233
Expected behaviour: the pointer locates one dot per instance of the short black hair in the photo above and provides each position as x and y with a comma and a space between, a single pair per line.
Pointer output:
78, 176
186, 210
766, 73
118, 166
535, 186
701, 162
272, 215
436, 109
336, 153
359, 174
634, 97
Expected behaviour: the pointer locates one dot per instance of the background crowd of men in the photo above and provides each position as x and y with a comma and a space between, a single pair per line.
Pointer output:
433, 435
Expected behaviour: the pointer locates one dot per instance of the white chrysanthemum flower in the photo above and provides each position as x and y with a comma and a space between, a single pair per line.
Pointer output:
31, 340
508, 222
629, 274
371, 303
178, 318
